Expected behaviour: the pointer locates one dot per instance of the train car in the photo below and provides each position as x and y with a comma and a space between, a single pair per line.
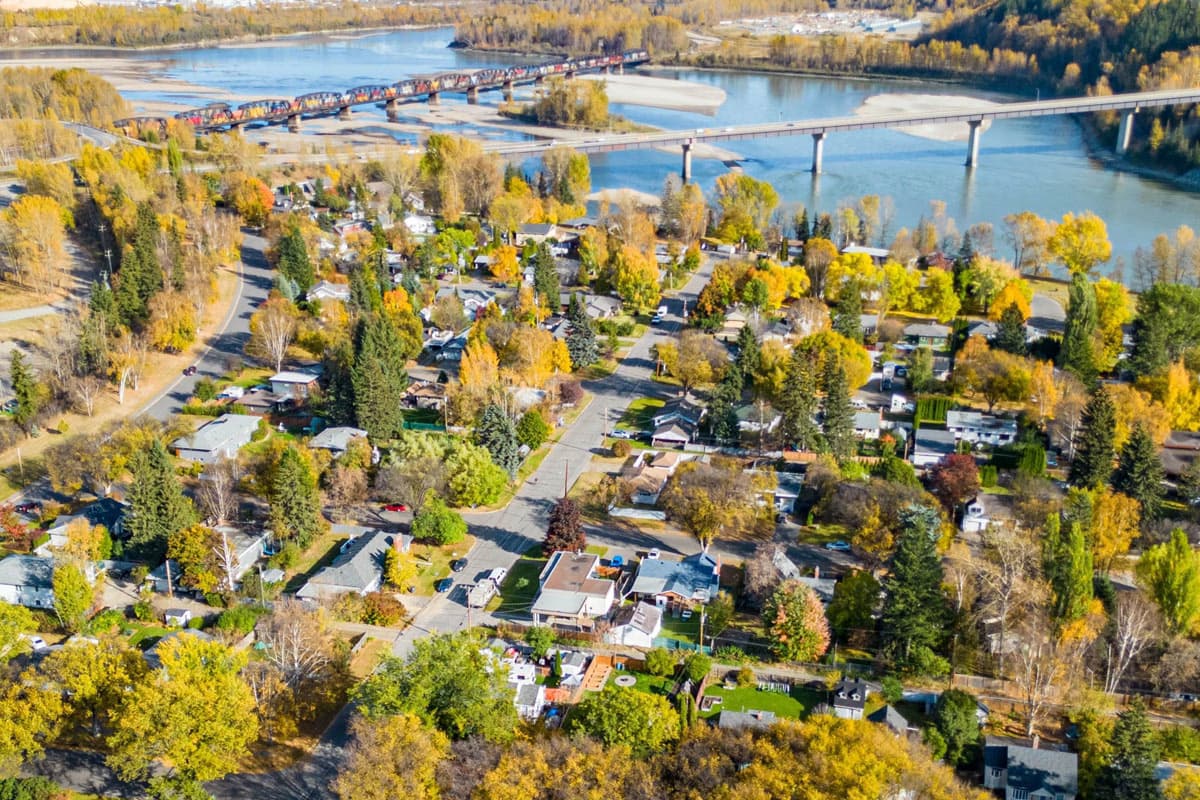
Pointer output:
261, 109
319, 101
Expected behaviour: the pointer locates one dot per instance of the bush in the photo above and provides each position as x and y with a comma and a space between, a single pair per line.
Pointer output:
206, 390
697, 667
532, 430
138, 574
731, 654
203, 410
143, 611
745, 678
28, 789
107, 620
570, 392
438, 524
196, 623
540, 638
614, 327
287, 557
660, 662
381, 608
935, 742
892, 689
239, 619
988, 475
621, 448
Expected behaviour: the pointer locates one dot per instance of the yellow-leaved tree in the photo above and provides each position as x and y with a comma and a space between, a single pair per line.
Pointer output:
34, 231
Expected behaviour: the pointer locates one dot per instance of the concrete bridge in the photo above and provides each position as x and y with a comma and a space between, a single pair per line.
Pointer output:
1127, 104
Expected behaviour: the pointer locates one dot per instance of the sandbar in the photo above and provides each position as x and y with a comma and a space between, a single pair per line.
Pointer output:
644, 90
917, 103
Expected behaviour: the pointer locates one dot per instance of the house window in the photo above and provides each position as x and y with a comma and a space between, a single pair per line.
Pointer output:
995, 772
1019, 794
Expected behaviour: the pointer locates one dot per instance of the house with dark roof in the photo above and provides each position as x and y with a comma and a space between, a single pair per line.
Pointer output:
889, 717
27, 581
1029, 773
673, 434
106, 511
1178, 452
572, 591
358, 567
692, 580
849, 698
681, 409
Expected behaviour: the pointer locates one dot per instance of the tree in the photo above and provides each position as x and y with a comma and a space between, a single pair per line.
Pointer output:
1010, 337
1080, 242
1166, 326
855, 599
95, 677
955, 480
819, 255
474, 478
637, 278
411, 481
622, 716
1115, 518
217, 492
1139, 473
711, 499
494, 430
1093, 462
195, 714
272, 329
581, 342
798, 403
1076, 354
838, 424
74, 596
545, 276
796, 623
437, 523
26, 390
378, 377
1135, 626
847, 316
157, 506
1171, 574
1130, 771
954, 715
695, 359
1030, 238
392, 757
30, 716
745, 207
295, 501
299, 643
1069, 570
291, 257
661, 661
194, 548
15, 621
565, 530
532, 429
34, 232
445, 682
914, 613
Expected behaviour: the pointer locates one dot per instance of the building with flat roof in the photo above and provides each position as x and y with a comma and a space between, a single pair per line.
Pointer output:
572, 591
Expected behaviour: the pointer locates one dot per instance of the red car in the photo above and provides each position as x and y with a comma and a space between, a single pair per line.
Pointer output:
189, 371
395, 507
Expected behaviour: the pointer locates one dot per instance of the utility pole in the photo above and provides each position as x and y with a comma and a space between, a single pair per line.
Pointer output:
566, 483
170, 586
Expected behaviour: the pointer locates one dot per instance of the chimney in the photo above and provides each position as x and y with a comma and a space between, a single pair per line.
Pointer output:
817, 572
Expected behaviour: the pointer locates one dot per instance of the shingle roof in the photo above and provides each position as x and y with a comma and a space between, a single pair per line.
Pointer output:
355, 569
695, 577
743, 720
643, 617
336, 438
1031, 768
850, 693
224, 432
105, 511
31, 571
926, 329
890, 717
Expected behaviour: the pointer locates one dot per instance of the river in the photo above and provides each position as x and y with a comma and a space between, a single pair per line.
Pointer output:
1039, 164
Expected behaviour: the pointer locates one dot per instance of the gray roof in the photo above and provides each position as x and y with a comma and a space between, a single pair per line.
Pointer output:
1033, 768
31, 571
225, 432
850, 693
695, 577
867, 420
681, 408
890, 717
292, 376
744, 720
106, 511
337, 439
643, 617
674, 431
822, 587
928, 330
935, 441
536, 229
357, 569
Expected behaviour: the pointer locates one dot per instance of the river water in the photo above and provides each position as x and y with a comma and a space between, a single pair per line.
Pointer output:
1039, 164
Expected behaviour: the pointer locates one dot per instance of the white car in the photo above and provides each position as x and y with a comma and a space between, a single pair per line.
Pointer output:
498, 575
37, 644
232, 393
654, 553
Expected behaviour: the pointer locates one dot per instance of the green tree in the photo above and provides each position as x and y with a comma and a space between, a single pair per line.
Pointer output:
295, 501
15, 621
1094, 451
545, 276
618, 715
157, 506
855, 599
291, 254
540, 638
26, 390
1167, 325
1071, 575
954, 717
378, 377
448, 683
915, 613
196, 714
1171, 574
532, 430
798, 403
839, 414
661, 662
696, 667
796, 623
74, 596
438, 524
920, 369
495, 431
474, 478
1010, 335
565, 530
1130, 771
581, 338
847, 315
1139, 472
1076, 354
749, 352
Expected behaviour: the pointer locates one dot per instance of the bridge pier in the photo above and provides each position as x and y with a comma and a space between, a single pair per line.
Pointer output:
293, 123
392, 107
818, 152
344, 113
473, 96
569, 74
539, 80
620, 70
1125, 132
433, 99
507, 89
973, 142
686, 171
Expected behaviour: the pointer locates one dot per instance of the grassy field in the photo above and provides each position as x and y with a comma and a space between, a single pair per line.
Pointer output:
425, 416
435, 562
821, 534
652, 684
520, 587
320, 553
640, 414
683, 630
798, 703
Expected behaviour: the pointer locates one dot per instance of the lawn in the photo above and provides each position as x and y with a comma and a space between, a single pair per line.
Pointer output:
596, 550
435, 561
520, 587
794, 705
366, 658
320, 553
651, 684
424, 416
821, 534
145, 636
247, 379
640, 414
683, 630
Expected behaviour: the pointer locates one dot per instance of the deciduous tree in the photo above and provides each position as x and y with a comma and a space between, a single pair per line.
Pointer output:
955, 479
392, 757
272, 329
620, 716
565, 529
1080, 242
438, 524
1171, 574
796, 623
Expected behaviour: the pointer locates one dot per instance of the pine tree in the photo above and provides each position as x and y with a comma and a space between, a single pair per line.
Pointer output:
1130, 771
1139, 472
496, 432
802, 230
1071, 577
966, 250
823, 227
1093, 462
378, 377
581, 342
1011, 333
103, 304
338, 362
545, 276
295, 502
838, 424
131, 309
915, 612
722, 415
798, 403
749, 353
25, 390
157, 506
292, 256
565, 531
847, 317
1076, 354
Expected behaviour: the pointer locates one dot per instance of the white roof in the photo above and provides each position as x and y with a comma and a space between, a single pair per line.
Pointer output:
873, 252
288, 376
222, 433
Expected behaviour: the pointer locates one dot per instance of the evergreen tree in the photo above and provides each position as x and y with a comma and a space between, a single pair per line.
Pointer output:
1093, 462
1130, 771
565, 531
798, 403
847, 316
25, 390
378, 377
157, 507
581, 343
338, 362
131, 309
1076, 354
364, 291
823, 227
295, 502
722, 412
1011, 334
545, 276
749, 353
496, 432
915, 612
838, 424
292, 255
966, 250
920, 369
802, 230
1139, 472
1071, 576
103, 304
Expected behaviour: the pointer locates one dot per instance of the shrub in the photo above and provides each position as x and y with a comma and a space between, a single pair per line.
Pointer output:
731, 654
196, 623
935, 742
988, 475
697, 667
381, 608
287, 557
532, 430
105, 621
438, 524
621, 448
570, 392
660, 662
745, 677
143, 611
239, 619
206, 390
892, 689
138, 574
29, 789
540, 638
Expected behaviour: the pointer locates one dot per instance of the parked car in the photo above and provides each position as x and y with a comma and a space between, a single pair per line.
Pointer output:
189, 371
37, 644
653, 553
444, 585
620, 433
232, 393
28, 508
458, 565
837, 545
395, 507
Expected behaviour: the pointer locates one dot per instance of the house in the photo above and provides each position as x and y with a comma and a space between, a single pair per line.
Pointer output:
346, 227
420, 225
731, 327
426, 395
985, 328
868, 424
978, 428
574, 664
105, 512
27, 581
941, 368
758, 418
530, 700
637, 625
536, 232
694, 579
336, 440
927, 334
646, 484
1029, 773
788, 486
877, 254
601, 307
868, 324
571, 591
681, 409
292, 384
177, 617
259, 402
779, 331
1178, 452
889, 717
786, 568
931, 446
221, 438
358, 567
984, 510
164, 578
673, 434
246, 548
473, 300
745, 720
849, 698
326, 290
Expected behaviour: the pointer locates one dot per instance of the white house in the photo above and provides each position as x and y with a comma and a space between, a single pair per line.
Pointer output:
849, 698
327, 290
221, 438
530, 700
572, 591
868, 424
420, 225
106, 511
27, 581
979, 428
637, 625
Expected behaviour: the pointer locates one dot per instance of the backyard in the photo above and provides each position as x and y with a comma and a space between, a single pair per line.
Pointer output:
795, 704
434, 562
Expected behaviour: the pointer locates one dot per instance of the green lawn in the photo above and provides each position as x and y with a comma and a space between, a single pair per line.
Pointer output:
640, 414
520, 587
597, 550
320, 553
434, 562
425, 416
794, 705
684, 630
822, 534
651, 684
145, 635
